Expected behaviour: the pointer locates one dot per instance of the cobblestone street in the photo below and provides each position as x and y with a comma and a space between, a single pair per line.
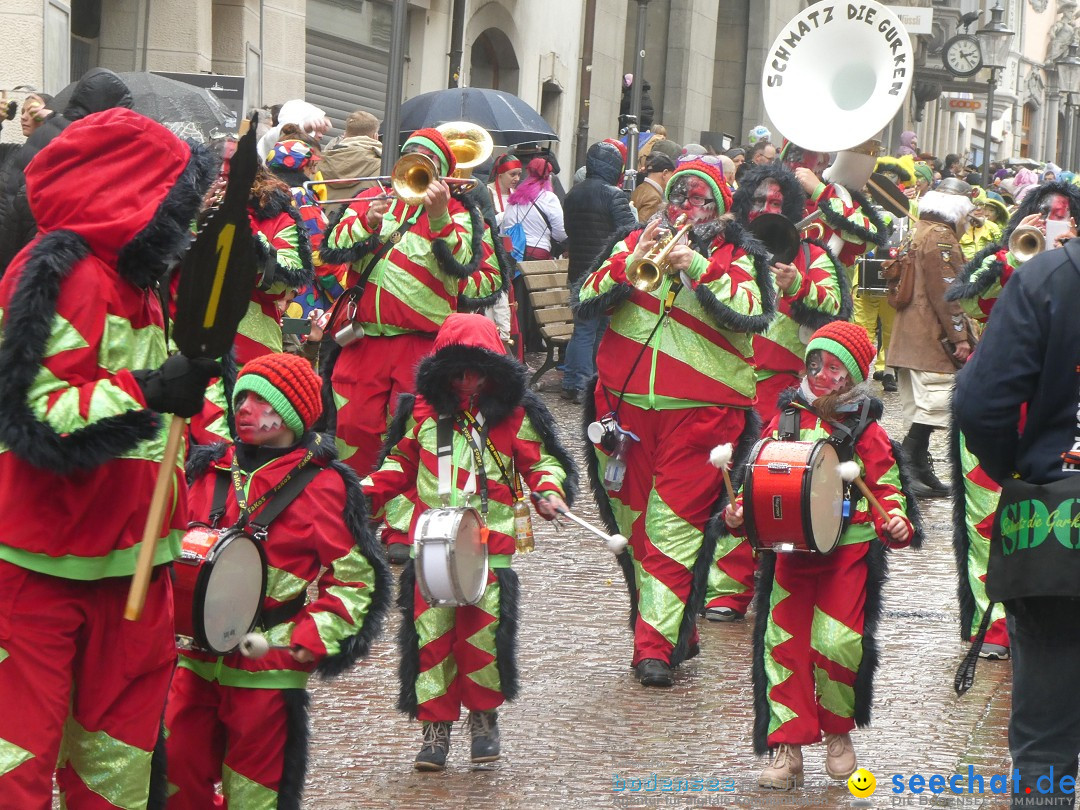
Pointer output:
582, 721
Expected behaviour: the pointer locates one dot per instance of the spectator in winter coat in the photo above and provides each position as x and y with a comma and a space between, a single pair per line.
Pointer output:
99, 89
358, 154
649, 195
596, 211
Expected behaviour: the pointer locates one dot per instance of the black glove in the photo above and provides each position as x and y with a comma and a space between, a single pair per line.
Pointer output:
179, 385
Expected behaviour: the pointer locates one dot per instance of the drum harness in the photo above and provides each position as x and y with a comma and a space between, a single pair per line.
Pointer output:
273, 503
844, 436
470, 428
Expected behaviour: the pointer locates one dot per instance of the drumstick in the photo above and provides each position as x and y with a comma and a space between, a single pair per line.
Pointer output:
256, 645
720, 457
849, 471
616, 543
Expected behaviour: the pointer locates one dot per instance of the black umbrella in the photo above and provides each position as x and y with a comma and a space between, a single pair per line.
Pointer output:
509, 119
188, 111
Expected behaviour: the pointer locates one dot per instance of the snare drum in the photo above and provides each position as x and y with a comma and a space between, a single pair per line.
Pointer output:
793, 498
451, 556
219, 587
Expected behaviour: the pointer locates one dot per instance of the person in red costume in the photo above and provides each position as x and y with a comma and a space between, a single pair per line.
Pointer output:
243, 721
85, 383
817, 614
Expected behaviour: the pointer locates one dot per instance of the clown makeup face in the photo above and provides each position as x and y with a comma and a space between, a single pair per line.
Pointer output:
468, 384
693, 197
767, 199
1055, 206
825, 373
258, 423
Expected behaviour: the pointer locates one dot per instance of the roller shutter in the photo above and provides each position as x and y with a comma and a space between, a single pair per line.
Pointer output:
344, 76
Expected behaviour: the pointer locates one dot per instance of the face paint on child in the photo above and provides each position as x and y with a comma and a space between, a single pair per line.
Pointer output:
826, 374
468, 384
258, 423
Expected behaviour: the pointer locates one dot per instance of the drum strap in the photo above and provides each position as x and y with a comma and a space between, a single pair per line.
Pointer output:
221, 495
280, 495
486, 438
444, 435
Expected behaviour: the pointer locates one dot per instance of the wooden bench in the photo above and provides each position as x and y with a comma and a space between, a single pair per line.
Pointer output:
545, 281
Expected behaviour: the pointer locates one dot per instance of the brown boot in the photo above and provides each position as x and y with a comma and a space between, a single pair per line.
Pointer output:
839, 756
786, 771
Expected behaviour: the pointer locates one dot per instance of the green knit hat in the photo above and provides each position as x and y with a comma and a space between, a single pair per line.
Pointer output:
431, 138
849, 342
288, 383
708, 171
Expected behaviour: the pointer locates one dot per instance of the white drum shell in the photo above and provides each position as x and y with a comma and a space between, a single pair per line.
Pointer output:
451, 557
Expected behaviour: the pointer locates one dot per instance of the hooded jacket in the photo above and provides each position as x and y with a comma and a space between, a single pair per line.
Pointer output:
99, 89
79, 451
595, 210
820, 293
359, 156
518, 425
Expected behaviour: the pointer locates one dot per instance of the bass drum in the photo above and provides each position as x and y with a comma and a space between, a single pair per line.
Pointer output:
218, 589
451, 556
793, 498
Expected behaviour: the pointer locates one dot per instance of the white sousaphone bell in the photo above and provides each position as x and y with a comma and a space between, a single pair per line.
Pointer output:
834, 78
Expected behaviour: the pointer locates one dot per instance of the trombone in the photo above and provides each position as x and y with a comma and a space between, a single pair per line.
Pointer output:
646, 272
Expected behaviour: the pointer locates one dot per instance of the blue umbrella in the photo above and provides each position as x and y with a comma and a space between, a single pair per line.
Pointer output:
509, 119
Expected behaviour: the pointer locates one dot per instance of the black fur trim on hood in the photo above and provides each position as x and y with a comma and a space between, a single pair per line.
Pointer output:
840, 223
544, 424
295, 761
396, 432
960, 540
814, 318
160, 245
441, 251
603, 504
327, 421
789, 395
506, 635
595, 307
742, 201
506, 272
505, 387
280, 202
201, 457
876, 576
963, 288
1034, 198
357, 519
714, 527
26, 331
408, 642
723, 315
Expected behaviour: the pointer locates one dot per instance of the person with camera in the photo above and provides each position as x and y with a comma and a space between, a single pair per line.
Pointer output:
675, 379
930, 337
417, 264
86, 381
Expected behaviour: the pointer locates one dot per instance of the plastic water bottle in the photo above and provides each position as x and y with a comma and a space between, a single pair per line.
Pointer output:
523, 533
615, 471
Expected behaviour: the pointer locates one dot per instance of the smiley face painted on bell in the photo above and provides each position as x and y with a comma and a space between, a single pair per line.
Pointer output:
862, 783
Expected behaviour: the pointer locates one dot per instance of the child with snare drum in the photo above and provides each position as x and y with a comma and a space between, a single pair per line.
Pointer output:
817, 614
466, 439
242, 721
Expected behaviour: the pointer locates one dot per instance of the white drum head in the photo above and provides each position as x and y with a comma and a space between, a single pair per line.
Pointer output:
826, 499
470, 558
451, 559
234, 577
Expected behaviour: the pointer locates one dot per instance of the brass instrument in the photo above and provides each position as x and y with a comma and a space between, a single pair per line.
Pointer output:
809, 227
779, 236
414, 173
647, 272
1026, 242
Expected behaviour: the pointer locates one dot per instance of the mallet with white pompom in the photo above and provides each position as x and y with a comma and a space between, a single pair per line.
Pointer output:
849, 472
256, 645
616, 543
720, 457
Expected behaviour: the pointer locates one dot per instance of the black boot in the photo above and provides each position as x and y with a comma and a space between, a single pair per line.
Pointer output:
916, 446
484, 728
654, 672
432, 756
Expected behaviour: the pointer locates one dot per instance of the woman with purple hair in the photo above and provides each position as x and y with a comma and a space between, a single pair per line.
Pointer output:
535, 206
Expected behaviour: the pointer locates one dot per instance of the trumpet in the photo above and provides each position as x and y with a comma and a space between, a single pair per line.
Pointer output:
647, 272
1026, 242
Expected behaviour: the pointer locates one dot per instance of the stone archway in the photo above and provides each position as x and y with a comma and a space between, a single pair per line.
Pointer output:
493, 62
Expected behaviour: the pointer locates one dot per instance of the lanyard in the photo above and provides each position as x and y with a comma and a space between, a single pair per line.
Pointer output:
444, 434
247, 510
515, 484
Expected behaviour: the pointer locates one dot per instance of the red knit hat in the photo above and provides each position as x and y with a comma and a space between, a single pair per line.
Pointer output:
708, 168
433, 139
849, 342
288, 383
618, 145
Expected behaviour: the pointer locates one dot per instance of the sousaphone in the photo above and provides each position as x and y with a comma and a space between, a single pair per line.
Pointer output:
837, 74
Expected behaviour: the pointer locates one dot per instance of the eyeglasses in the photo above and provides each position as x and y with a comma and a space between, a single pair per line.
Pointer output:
696, 200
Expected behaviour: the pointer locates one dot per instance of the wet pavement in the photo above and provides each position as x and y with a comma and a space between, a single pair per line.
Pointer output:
582, 722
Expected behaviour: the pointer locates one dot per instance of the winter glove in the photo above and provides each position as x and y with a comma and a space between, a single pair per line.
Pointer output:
178, 385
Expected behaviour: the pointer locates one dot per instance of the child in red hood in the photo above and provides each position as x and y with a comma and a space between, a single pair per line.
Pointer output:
471, 390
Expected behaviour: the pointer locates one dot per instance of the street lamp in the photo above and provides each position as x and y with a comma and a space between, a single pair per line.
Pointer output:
994, 41
1068, 67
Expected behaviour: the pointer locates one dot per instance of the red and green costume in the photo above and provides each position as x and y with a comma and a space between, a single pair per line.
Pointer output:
815, 647
243, 722
79, 454
454, 656
850, 225
679, 360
